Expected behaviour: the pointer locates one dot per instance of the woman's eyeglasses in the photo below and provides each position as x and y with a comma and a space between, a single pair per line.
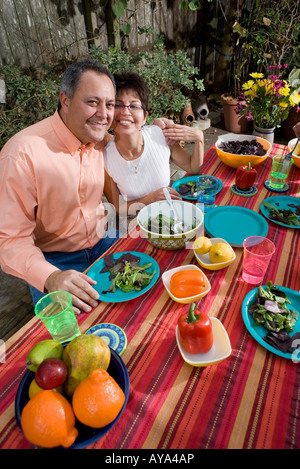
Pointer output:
130, 107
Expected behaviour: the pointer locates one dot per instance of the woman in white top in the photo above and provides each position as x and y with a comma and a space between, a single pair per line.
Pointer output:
137, 160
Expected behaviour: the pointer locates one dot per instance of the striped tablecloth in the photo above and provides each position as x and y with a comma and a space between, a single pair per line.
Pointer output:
250, 400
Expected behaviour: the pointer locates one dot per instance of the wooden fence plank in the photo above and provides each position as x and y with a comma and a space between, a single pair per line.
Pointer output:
33, 32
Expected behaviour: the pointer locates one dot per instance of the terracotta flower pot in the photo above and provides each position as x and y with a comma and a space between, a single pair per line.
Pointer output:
187, 116
233, 122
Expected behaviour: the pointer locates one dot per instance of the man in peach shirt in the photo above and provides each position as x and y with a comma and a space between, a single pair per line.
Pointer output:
53, 223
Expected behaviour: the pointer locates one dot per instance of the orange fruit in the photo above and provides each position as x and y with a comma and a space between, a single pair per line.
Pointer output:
98, 399
47, 420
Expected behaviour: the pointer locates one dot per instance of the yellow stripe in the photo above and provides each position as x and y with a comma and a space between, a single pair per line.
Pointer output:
8, 416
177, 393
147, 396
240, 427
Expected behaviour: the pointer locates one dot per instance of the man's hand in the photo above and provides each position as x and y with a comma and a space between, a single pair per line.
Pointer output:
296, 129
79, 285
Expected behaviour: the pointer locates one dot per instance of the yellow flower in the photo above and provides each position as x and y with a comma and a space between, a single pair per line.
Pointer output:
283, 105
295, 98
269, 88
284, 91
256, 75
248, 85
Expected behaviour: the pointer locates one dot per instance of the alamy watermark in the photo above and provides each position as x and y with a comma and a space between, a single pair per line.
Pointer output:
190, 214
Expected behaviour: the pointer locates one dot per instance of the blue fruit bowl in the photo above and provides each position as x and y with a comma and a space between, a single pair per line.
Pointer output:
86, 435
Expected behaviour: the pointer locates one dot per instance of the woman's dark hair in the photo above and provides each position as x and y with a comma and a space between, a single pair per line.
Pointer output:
133, 81
73, 74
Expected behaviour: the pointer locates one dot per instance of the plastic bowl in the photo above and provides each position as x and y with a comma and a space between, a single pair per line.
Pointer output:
188, 212
234, 161
296, 158
220, 350
204, 259
191, 299
86, 435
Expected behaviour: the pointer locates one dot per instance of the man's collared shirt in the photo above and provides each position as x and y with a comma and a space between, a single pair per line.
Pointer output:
51, 189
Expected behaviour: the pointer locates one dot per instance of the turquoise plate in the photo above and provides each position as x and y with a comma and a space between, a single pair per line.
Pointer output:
176, 185
234, 224
280, 202
119, 296
258, 332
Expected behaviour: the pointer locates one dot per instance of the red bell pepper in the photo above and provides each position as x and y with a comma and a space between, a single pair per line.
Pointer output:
195, 330
245, 177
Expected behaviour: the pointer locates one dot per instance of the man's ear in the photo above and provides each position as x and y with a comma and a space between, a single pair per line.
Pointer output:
64, 101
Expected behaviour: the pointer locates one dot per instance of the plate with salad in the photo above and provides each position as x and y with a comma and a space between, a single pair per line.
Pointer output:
283, 210
123, 276
187, 186
271, 315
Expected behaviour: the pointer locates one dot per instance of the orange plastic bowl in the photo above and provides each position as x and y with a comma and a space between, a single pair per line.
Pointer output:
234, 161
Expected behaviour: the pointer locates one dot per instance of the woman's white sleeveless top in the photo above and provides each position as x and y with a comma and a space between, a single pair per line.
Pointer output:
144, 175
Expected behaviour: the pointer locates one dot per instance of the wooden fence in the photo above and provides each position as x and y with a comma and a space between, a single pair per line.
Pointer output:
36, 32
33, 32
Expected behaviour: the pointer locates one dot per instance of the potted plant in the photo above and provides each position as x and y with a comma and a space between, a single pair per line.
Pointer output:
267, 101
232, 121
294, 114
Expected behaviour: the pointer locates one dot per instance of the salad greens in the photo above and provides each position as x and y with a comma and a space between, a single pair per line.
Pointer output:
285, 216
162, 224
271, 311
126, 273
188, 187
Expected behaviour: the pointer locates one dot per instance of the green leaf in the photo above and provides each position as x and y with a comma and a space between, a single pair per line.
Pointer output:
119, 8
194, 5
126, 28
103, 3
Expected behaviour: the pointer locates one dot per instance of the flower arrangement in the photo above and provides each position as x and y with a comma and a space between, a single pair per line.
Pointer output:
267, 101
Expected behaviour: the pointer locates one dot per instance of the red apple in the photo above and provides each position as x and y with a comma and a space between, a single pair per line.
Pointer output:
51, 373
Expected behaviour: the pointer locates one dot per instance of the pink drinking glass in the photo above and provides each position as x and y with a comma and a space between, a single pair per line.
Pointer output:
257, 255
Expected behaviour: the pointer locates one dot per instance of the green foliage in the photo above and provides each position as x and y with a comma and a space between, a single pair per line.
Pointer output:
168, 76
269, 33
119, 8
192, 4
30, 97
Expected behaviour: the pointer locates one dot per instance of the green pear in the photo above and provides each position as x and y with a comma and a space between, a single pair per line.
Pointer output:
45, 349
82, 355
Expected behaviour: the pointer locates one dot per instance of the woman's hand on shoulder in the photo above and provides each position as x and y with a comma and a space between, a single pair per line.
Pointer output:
163, 123
183, 133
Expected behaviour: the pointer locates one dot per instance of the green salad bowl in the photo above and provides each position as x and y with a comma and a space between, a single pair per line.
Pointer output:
150, 217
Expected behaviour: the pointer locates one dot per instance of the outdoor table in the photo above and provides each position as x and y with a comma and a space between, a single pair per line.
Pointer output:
249, 400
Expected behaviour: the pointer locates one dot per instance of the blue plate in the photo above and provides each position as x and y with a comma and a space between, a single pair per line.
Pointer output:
112, 335
176, 185
258, 332
280, 202
234, 224
86, 435
103, 282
